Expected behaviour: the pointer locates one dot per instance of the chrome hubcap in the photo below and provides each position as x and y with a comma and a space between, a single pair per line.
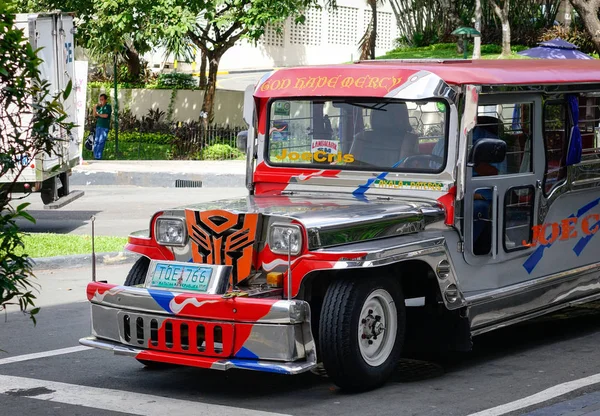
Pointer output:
377, 327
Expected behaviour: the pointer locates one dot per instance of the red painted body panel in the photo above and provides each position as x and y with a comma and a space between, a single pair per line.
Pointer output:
378, 78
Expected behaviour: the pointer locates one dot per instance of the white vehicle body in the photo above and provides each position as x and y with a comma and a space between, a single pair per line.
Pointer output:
52, 36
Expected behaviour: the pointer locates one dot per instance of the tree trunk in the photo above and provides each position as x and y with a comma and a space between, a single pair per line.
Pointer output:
451, 20
477, 40
567, 15
503, 16
588, 11
209, 95
134, 66
202, 69
373, 37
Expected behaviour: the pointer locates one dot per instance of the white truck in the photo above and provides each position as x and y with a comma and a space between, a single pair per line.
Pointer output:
52, 35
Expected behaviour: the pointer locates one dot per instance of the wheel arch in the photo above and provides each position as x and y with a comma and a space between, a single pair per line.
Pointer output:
418, 279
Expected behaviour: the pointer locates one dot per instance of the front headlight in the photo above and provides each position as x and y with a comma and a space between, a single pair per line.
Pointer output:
171, 231
284, 238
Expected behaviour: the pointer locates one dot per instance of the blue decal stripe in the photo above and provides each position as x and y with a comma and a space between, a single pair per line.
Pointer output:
537, 255
163, 298
584, 241
258, 366
360, 191
246, 353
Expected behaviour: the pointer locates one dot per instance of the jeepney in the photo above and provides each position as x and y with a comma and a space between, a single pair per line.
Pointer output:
388, 201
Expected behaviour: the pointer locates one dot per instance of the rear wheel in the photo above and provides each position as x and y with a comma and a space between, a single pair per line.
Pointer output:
49, 191
137, 274
361, 331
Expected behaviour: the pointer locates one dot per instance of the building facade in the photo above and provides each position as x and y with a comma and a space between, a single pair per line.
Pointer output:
328, 36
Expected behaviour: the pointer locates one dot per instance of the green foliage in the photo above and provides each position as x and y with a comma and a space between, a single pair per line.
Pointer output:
47, 245
133, 151
147, 138
445, 51
219, 151
177, 80
29, 114
575, 35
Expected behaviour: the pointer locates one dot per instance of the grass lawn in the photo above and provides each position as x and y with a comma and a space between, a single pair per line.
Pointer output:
48, 245
133, 151
448, 51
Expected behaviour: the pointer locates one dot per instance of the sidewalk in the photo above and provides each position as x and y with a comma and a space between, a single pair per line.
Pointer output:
161, 173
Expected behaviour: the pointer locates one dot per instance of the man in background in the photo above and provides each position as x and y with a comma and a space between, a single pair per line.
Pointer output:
102, 112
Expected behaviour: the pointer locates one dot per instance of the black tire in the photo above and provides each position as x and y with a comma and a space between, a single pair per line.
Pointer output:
65, 188
49, 191
137, 274
338, 332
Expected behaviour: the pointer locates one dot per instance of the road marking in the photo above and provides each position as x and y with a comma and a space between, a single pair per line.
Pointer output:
540, 397
44, 354
116, 400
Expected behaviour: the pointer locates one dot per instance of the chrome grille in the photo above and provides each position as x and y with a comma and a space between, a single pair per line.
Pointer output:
176, 335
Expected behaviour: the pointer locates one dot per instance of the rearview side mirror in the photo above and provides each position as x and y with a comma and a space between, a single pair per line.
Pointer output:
487, 151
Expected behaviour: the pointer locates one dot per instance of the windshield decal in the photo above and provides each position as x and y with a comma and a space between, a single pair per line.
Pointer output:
319, 156
312, 84
418, 185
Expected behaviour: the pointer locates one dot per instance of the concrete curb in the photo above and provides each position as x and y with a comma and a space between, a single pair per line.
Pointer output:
83, 260
156, 179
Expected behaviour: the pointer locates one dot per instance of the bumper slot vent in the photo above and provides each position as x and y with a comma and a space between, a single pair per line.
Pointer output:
127, 327
200, 337
184, 337
169, 334
154, 332
139, 330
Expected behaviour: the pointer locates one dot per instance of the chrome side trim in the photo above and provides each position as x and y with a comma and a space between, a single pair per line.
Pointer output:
535, 314
534, 298
520, 287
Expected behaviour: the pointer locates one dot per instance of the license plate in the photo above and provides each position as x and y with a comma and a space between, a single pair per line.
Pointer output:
181, 276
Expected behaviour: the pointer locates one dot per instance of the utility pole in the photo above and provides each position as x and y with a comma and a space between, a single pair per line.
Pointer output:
116, 109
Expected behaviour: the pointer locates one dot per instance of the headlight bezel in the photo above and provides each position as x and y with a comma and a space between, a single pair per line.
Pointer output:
184, 234
296, 228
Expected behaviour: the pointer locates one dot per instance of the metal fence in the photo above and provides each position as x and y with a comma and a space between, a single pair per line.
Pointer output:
151, 138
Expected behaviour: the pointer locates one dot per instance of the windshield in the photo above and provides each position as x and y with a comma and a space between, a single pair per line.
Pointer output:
362, 135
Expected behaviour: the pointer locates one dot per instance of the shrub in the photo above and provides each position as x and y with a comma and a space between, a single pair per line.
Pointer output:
220, 152
177, 80
580, 38
138, 137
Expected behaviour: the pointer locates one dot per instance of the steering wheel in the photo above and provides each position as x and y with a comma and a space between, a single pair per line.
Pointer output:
414, 161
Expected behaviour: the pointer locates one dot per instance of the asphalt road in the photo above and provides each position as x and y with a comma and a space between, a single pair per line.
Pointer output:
505, 366
119, 210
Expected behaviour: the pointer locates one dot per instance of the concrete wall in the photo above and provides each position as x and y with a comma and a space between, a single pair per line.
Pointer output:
327, 37
228, 104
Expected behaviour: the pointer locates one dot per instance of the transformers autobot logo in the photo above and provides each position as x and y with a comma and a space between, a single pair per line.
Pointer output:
221, 237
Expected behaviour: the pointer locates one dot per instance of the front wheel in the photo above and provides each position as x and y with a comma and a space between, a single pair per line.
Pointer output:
361, 331
137, 274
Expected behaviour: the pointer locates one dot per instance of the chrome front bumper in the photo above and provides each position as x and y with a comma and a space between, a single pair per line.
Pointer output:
202, 362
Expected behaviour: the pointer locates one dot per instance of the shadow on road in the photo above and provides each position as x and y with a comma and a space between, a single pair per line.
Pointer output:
56, 221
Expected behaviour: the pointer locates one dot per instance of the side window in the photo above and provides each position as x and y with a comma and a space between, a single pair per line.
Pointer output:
518, 217
556, 139
589, 125
482, 221
512, 124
